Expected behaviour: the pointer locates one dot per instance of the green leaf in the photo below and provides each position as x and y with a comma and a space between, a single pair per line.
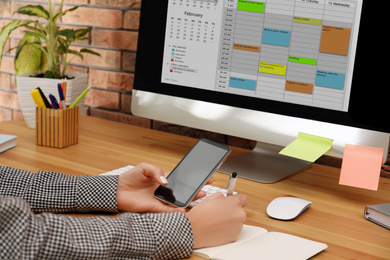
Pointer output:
82, 32
48, 74
82, 38
76, 53
28, 56
63, 41
38, 31
60, 14
34, 10
31, 33
90, 52
44, 62
4, 34
69, 34
62, 49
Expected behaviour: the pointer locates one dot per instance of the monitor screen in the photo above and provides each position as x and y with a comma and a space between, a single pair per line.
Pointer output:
312, 59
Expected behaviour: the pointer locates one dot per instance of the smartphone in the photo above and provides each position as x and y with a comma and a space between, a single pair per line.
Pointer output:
192, 172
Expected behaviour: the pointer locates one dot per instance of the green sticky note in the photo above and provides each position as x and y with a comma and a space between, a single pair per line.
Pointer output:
307, 147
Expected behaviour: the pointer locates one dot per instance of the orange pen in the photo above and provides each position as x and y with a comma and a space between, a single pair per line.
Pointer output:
63, 85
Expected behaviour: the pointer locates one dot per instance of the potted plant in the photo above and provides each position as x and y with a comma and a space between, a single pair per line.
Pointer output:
44, 53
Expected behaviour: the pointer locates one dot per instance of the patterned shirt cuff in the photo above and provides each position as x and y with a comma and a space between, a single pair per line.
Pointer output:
97, 193
174, 235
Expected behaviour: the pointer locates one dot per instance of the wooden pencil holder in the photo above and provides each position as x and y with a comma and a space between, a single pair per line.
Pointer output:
57, 128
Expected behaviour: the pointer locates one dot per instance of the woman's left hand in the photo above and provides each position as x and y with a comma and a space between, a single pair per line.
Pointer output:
135, 191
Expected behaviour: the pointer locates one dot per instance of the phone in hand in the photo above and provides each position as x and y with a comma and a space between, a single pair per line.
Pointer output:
192, 173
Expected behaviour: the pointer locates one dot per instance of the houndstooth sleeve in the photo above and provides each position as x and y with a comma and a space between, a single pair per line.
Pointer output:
25, 235
59, 193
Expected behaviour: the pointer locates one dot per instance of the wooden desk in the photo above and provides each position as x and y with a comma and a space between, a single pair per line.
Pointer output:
335, 217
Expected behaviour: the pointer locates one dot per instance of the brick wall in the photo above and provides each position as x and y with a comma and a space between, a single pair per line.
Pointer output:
114, 34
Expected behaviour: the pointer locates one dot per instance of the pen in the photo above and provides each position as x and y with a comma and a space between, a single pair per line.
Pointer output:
80, 97
61, 93
63, 85
232, 183
54, 101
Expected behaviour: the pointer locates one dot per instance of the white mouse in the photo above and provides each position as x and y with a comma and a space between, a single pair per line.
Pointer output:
287, 208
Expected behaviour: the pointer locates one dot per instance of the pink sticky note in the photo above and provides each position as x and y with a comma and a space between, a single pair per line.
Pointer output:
361, 166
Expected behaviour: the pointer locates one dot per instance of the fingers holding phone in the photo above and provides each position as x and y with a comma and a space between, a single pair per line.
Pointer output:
192, 173
136, 188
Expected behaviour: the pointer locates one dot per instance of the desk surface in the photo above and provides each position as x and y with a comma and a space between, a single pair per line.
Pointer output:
335, 216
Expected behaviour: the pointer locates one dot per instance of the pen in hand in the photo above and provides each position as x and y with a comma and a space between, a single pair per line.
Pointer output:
232, 183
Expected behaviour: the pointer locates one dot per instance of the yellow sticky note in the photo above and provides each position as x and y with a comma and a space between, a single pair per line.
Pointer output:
361, 166
307, 147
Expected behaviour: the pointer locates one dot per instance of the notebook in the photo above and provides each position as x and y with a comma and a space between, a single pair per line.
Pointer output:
379, 214
257, 243
7, 142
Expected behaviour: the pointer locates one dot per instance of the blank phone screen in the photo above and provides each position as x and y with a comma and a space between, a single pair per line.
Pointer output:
191, 173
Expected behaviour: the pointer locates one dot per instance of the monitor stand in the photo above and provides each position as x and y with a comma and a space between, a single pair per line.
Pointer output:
264, 164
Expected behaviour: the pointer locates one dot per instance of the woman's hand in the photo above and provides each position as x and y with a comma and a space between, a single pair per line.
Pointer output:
135, 191
217, 219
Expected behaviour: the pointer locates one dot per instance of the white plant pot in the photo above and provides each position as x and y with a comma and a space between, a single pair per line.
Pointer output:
27, 82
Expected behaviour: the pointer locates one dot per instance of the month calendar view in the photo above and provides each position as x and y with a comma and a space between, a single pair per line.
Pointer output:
294, 51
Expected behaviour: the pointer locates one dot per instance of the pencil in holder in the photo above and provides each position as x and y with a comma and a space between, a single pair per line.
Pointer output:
57, 128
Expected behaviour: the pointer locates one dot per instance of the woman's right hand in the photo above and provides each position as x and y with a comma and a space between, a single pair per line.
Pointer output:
217, 219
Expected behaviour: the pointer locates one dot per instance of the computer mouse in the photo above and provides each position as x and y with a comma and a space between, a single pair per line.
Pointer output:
287, 208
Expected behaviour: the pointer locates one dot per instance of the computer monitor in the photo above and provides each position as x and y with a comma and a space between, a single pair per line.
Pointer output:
265, 70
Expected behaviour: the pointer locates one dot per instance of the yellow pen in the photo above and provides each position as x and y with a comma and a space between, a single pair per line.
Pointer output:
38, 98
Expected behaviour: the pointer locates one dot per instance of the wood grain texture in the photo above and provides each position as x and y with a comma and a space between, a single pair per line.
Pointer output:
335, 217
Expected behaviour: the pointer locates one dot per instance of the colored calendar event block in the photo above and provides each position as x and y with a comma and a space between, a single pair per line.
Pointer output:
302, 60
245, 47
276, 37
250, 6
306, 20
330, 79
272, 68
300, 87
335, 40
241, 83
